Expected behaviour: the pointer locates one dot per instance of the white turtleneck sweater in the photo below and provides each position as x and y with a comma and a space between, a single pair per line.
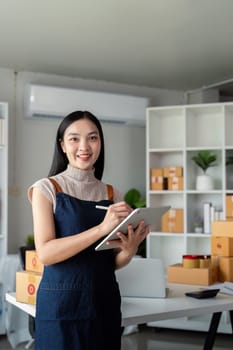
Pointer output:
78, 183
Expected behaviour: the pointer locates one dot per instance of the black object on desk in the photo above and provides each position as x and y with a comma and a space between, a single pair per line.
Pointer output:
203, 294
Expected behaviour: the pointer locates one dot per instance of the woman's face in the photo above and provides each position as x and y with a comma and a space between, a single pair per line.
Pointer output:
82, 144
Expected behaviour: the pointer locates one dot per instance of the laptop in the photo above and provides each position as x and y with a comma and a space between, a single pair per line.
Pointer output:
142, 278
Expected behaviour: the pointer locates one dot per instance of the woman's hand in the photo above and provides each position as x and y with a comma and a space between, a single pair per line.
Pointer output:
115, 214
128, 244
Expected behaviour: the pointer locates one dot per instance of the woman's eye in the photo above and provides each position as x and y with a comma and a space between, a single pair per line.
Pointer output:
93, 138
73, 139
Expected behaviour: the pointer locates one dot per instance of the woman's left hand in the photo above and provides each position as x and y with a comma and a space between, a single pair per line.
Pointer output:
128, 244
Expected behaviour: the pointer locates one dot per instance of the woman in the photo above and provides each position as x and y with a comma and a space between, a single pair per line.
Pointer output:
78, 301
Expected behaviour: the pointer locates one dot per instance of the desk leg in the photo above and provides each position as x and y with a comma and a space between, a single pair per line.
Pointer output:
231, 318
210, 338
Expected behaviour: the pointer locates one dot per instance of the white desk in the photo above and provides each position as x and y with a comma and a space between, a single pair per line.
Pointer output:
140, 310
144, 310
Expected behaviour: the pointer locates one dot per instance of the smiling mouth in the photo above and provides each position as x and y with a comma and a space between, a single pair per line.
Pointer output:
84, 157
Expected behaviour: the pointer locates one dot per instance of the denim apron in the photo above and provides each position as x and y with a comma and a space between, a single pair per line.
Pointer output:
78, 300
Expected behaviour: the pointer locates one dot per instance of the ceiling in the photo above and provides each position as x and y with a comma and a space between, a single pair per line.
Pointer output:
171, 44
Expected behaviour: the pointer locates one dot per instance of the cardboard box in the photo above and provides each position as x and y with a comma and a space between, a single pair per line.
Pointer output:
200, 276
27, 284
173, 221
156, 171
32, 262
229, 206
222, 228
222, 246
225, 269
158, 183
175, 183
173, 171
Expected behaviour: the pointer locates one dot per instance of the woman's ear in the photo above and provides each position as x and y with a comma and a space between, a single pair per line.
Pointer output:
62, 146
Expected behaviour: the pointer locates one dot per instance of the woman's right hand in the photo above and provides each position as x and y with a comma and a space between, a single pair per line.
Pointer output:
115, 214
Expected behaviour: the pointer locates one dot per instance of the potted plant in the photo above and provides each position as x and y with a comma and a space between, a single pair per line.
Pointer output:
229, 168
204, 159
198, 224
134, 199
229, 159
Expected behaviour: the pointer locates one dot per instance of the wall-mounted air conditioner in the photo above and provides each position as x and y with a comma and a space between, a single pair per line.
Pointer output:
50, 101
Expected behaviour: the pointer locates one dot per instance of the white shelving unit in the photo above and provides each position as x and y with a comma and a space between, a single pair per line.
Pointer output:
3, 177
173, 135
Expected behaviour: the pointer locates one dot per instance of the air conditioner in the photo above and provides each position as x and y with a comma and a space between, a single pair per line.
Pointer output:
50, 101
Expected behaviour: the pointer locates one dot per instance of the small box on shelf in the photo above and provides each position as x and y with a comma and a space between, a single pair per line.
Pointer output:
175, 183
156, 171
173, 221
173, 171
158, 183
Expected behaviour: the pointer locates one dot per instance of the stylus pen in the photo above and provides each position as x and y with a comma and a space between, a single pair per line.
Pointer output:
101, 207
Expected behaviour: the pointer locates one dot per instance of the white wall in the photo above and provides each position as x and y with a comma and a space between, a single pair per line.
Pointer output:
32, 142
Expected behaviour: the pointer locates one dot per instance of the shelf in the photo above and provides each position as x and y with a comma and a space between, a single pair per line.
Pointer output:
198, 131
166, 148
166, 234
198, 235
163, 122
173, 136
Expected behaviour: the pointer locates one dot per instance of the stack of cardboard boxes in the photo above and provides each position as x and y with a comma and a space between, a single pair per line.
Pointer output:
222, 249
169, 178
221, 267
28, 280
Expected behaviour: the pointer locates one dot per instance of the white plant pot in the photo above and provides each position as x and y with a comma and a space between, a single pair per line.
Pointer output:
204, 183
198, 229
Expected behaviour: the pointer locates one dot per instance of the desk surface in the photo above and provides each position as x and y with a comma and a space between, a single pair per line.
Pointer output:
143, 310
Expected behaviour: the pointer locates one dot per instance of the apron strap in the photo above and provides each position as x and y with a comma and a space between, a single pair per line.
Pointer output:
110, 192
55, 184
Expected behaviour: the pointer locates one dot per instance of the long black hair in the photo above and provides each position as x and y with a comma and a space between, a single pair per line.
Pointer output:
60, 161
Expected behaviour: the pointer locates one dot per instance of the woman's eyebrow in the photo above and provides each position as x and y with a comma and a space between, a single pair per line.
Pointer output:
72, 134
76, 133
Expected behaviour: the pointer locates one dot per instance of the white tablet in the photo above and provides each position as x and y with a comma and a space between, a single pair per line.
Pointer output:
152, 217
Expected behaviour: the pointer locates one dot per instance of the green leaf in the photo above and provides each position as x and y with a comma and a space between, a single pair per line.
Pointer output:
132, 196
205, 159
229, 160
30, 240
140, 204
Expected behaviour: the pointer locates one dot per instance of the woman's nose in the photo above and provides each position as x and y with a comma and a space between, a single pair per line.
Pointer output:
83, 145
